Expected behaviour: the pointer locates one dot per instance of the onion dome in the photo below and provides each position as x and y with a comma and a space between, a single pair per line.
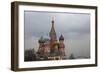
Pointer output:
41, 40
61, 37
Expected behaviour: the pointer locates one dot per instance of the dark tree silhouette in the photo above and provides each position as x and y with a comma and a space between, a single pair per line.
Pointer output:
30, 55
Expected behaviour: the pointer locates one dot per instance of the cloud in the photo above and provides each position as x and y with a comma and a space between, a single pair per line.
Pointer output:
74, 27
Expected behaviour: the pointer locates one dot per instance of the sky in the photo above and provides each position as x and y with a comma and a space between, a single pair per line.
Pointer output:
75, 27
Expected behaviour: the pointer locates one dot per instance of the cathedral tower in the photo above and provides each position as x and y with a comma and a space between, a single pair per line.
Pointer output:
41, 45
61, 45
52, 34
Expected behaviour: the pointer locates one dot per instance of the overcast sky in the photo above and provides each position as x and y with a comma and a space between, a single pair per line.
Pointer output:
74, 27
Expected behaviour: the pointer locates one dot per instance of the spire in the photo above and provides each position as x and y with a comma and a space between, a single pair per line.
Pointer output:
52, 33
52, 28
52, 20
